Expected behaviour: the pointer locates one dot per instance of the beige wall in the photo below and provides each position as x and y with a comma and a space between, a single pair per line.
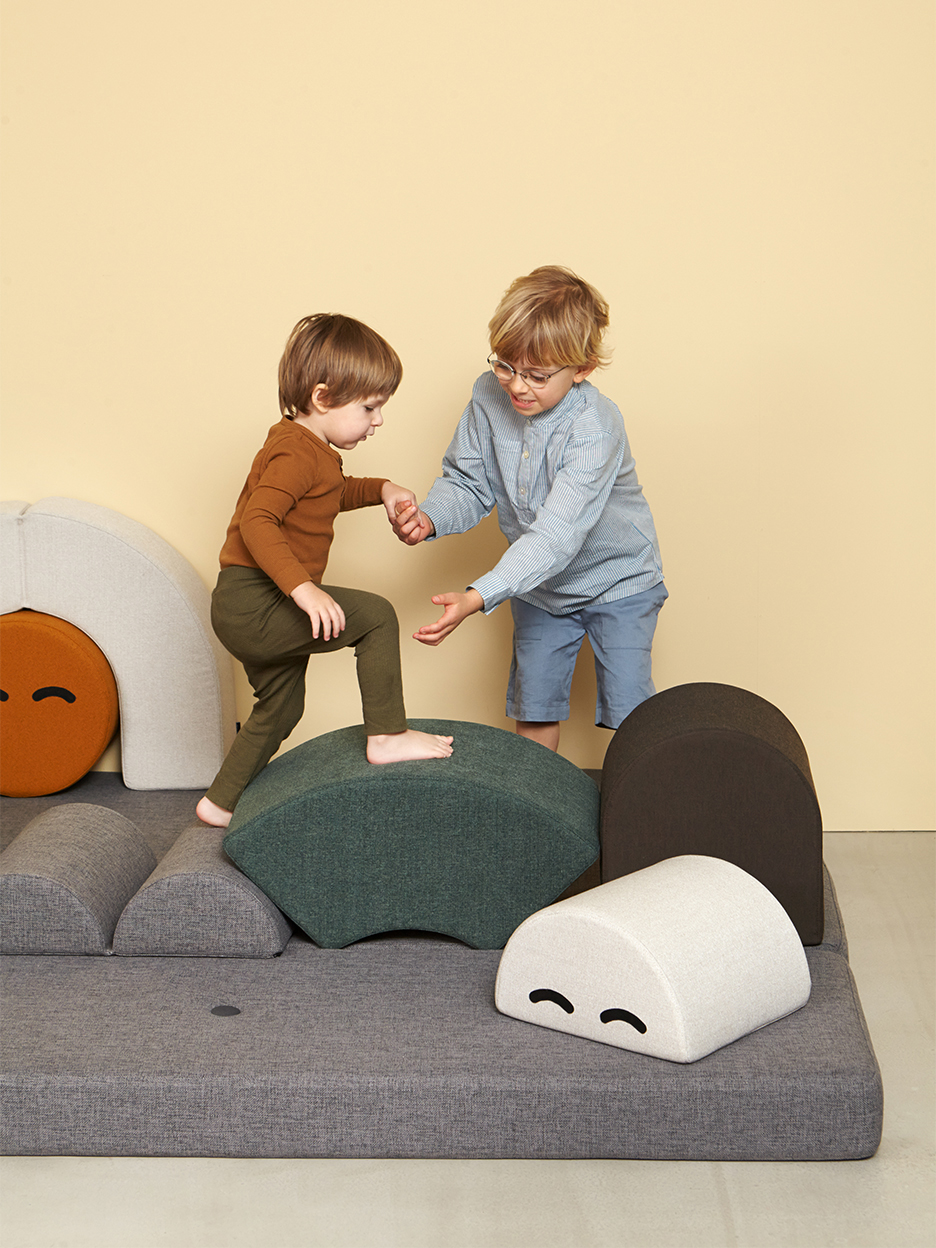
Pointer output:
750, 185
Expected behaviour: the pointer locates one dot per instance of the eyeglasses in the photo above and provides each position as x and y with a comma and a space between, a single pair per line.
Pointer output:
535, 379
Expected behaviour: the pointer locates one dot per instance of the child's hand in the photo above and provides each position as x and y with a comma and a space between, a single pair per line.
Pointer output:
457, 608
326, 615
394, 498
411, 525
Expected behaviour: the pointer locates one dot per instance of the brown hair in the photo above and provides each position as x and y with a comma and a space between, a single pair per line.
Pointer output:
345, 356
551, 316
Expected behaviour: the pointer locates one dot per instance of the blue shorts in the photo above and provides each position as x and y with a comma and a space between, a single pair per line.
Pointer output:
546, 646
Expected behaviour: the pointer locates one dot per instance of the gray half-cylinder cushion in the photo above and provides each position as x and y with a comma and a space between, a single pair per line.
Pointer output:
197, 904
66, 878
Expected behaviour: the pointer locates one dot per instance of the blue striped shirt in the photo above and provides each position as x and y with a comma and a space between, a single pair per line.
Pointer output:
567, 497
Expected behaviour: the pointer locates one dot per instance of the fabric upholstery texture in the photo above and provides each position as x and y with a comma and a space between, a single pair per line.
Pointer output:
714, 770
66, 878
147, 609
675, 961
394, 1048
467, 845
197, 904
59, 708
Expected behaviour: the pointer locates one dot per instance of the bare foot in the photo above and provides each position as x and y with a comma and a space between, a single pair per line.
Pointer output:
397, 747
214, 816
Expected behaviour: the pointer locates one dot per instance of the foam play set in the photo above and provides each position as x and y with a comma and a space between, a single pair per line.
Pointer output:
490, 955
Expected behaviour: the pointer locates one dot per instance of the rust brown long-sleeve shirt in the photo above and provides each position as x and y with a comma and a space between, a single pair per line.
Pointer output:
284, 519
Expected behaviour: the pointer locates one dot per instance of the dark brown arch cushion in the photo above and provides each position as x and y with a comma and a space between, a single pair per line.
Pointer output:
712, 769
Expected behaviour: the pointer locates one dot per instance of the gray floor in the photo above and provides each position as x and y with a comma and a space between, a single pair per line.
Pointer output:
885, 886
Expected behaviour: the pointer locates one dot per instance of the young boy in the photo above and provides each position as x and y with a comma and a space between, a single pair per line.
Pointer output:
539, 442
270, 608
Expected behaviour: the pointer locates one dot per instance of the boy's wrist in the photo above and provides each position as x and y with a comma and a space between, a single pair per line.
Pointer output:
492, 591
432, 534
390, 492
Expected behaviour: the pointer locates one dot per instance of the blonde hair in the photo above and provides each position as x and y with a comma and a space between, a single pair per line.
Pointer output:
551, 316
345, 356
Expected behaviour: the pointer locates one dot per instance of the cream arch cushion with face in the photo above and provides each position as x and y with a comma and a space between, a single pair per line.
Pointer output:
674, 961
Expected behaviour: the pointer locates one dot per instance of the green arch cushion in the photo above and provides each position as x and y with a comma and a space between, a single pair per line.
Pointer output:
468, 846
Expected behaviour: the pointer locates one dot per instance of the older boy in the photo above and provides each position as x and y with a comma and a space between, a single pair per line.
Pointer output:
539, 442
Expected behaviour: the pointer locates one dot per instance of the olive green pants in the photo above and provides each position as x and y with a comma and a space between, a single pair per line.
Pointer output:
264, 629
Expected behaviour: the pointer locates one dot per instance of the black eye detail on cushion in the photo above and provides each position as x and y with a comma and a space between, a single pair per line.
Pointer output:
624, 1016
4, 696
547, 994
53, 691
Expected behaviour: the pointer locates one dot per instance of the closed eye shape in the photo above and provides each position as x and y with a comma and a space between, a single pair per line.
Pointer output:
547, 994
53, 691
624, 1016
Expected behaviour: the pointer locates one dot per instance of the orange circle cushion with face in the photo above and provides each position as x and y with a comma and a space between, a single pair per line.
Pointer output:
58, 705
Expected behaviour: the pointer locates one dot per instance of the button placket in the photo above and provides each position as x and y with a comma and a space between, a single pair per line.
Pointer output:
524, 473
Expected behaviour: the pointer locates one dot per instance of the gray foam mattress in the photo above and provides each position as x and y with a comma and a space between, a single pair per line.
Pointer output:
393, 1048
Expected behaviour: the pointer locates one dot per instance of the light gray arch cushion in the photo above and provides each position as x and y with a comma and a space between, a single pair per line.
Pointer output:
147, 609
197, 904
66, 878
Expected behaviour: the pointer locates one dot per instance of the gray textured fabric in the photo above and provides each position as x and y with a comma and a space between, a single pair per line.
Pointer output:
197, 904
468, 845
159, 814
66, 878
393, 1048
147, 609
833, 935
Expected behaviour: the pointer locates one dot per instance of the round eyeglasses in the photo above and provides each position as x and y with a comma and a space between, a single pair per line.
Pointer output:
534, 378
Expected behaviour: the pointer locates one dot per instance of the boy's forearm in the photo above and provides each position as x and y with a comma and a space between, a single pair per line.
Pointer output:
453, 509
362, 492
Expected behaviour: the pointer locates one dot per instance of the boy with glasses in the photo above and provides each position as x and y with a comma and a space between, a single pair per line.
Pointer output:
544, 446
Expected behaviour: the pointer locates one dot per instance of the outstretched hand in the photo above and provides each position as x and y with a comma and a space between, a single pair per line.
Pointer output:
410, 524
457, 608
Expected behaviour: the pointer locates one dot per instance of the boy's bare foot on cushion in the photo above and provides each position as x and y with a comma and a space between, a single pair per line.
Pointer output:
214, 816
397, 747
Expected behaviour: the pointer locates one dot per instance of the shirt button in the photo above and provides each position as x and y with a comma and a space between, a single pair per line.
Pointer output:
526, 454
522, 492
